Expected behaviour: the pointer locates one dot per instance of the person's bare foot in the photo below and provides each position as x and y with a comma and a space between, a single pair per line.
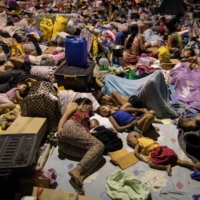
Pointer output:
80, 190
75, 174
197, 166
158, 121
169, 170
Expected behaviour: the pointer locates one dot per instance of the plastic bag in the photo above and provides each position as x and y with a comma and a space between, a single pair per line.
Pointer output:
46, 27
95, 46
164, 54
59, 25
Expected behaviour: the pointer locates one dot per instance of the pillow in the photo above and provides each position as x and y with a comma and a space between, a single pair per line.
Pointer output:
103, 121
66, 97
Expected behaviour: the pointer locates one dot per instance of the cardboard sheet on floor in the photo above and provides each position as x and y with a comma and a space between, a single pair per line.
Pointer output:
50, 50
123, 158
49, 194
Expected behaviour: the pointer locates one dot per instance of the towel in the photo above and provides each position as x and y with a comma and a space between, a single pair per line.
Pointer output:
123, 158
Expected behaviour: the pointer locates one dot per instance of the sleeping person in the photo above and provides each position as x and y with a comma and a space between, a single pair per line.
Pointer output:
152, 90
123, 120
157, 156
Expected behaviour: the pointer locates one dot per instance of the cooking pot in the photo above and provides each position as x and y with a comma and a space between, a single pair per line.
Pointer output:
118, 50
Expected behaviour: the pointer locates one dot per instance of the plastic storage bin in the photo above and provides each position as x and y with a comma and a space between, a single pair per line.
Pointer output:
75, 78
76, 51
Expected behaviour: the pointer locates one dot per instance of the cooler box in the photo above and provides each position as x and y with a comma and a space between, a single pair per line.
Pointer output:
75, 78
76, 51
17, 150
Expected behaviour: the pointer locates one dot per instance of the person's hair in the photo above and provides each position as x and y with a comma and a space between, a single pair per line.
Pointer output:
129, 139
192, 52
80, 101
134, 32
163, 19
171, 24
98, 95
136, 102
22, 83
98, 110
34, 41
182, 122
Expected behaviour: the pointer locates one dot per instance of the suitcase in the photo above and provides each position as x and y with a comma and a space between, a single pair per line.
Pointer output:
75, 78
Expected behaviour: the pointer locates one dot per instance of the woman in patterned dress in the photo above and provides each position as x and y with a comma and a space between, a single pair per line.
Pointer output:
74, 139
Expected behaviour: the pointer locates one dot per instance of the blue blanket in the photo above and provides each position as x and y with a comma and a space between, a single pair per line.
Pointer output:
152, 89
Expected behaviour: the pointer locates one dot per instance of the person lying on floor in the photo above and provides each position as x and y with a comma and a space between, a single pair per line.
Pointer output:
108, 137
124, 119
152, 86
195, 65
75, 140
186, 54
8, 99
118, 100
158, 157
189, 124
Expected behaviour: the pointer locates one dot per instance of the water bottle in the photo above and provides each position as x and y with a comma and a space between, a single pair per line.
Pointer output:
103, 63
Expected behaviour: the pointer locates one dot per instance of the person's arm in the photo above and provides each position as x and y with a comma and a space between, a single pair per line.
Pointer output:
69, 110
170, 43
121, 128
99, 82
138, 155
116, 97
132, 110
17, 95
100, 78
142, 47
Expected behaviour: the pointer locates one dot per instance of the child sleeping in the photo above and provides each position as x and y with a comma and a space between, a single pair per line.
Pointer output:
8, 99
158, 157
123, 120
189, 124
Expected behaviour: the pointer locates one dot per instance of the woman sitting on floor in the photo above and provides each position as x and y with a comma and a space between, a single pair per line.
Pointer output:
75, 140
133, 47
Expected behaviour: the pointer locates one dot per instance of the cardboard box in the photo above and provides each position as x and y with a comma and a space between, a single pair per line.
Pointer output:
49, 194
88, 198
29, 125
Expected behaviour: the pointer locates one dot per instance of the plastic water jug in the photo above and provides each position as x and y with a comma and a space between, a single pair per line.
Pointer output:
76, 51
103, 63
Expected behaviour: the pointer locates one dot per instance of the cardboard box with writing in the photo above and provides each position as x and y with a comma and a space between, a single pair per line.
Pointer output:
48, 194
33, 125
88, 198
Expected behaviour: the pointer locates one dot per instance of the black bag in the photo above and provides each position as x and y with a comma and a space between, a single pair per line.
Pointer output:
5, 48
7, 76
109, 138
75, 78
4, 87
42, 101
